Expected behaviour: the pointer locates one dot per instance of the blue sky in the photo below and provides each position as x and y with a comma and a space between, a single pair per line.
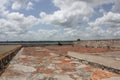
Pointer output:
59, 19
41, 6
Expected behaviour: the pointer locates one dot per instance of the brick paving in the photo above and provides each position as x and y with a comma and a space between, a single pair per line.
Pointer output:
42, 63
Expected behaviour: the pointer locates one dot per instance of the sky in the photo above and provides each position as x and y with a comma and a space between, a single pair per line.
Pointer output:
39, 20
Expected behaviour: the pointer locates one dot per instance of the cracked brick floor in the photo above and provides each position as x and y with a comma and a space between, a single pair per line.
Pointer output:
42, 63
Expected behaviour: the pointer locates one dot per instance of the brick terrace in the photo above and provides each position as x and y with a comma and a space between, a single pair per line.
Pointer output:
43, 63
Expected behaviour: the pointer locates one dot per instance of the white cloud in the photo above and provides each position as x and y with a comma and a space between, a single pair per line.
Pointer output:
54, 34
29, 6
22, 4
3, 3
96, 3
16, 5
110, 19
101, 33
107, 26
71, 13
40, 34
95, 32
17, 23
3, 7
116, 6
14, 23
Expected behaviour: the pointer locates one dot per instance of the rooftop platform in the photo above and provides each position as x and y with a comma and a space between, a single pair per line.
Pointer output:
45, 63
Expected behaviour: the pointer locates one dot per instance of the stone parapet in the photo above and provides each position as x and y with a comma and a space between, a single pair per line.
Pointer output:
114, 43
6, 57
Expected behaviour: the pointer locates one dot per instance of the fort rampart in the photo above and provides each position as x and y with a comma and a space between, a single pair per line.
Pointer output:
113, 43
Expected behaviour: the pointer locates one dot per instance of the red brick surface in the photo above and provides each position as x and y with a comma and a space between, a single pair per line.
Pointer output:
44, 60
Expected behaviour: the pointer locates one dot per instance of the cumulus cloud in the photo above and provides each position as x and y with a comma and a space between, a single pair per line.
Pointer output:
16, 23
16, 5
3, 6
95, 32
22, 4
96, 3
29, 6
107, 26
40, 34
116, 6
71, 13
110, 19
98, 32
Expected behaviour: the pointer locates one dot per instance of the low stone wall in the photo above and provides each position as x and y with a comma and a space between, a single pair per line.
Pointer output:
97, 65
6, 59
114, 43
96, 61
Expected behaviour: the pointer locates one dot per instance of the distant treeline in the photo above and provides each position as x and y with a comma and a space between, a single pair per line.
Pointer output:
36, 42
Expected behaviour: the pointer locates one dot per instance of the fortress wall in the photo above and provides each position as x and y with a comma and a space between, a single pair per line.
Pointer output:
4, 61
114, 43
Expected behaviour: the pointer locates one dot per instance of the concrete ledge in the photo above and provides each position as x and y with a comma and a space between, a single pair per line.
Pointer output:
97, 61
4, 61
